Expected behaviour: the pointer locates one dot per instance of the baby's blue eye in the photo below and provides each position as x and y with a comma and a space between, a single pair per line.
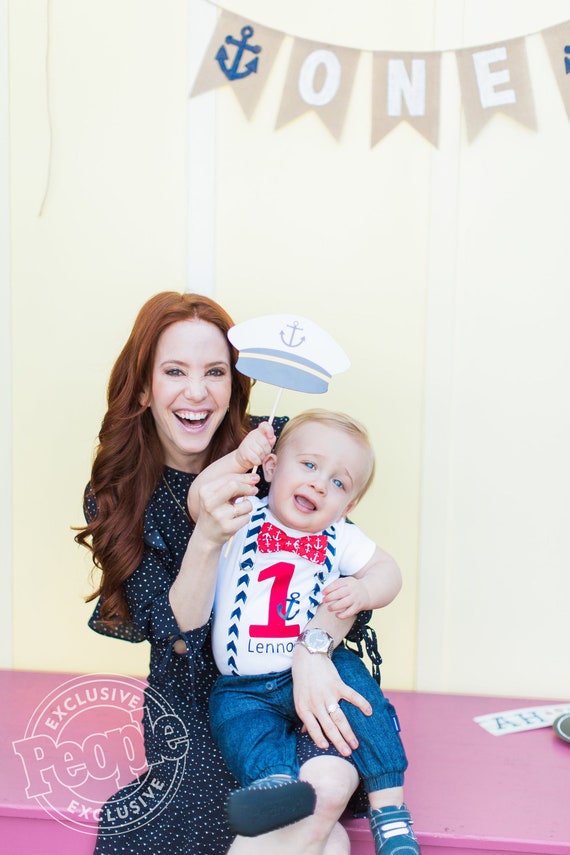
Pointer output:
338, 483
310, 465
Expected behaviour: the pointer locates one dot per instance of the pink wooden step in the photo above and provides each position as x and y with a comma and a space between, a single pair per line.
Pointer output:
471, 793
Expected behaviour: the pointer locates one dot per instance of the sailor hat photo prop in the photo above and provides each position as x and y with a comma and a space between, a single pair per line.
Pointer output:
288, 351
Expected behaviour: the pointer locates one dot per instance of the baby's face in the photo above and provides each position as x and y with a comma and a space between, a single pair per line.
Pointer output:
316, 477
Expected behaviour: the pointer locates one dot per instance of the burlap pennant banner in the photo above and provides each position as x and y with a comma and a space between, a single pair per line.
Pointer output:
319, 78
405, 86
240, 54
557, 41
495, 79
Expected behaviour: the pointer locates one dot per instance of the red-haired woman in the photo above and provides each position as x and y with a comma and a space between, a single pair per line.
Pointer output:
175, 403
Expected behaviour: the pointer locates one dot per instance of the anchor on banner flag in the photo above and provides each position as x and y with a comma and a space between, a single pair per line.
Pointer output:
232, 71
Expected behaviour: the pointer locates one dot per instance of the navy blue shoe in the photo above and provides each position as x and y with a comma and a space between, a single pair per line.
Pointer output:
392, 831
268, 804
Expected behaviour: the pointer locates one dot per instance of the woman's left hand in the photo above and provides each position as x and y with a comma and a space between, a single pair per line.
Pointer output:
317, 689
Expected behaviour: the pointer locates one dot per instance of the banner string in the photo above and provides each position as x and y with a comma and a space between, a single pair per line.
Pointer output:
222, 8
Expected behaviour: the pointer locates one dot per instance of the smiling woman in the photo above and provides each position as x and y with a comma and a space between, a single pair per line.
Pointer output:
132, 452
190, 391
176, 403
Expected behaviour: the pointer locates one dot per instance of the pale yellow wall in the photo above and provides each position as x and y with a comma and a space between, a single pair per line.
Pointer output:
504, 571
493, 578
440, 272
112, 233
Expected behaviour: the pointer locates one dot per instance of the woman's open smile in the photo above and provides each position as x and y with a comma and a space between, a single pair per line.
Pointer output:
190, 391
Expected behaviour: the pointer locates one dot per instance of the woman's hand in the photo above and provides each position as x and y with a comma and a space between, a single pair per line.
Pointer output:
220, 517
317, 689
224, 507
229, 477
218, 502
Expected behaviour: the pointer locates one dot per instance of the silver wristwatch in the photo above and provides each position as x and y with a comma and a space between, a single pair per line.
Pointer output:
317, 641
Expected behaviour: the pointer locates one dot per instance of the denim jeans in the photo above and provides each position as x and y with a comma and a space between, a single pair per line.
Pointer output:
254, 722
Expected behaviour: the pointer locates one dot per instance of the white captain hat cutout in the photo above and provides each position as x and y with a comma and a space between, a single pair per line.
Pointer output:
288, 351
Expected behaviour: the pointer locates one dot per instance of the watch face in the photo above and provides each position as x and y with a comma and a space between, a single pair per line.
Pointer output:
318, 640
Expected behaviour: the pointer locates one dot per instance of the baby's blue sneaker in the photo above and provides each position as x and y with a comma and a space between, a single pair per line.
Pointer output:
268, 804
392, 831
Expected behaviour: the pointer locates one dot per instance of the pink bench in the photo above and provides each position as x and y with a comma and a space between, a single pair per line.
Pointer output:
471, 793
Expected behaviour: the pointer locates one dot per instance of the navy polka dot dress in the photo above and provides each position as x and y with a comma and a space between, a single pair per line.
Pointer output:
177, 807
185, 767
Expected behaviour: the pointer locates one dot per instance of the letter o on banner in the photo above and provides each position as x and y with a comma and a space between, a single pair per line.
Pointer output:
307, 74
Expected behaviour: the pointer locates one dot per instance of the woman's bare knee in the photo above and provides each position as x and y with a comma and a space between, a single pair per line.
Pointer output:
334, 780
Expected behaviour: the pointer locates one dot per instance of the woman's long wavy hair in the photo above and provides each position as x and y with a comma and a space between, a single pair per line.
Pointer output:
129, 459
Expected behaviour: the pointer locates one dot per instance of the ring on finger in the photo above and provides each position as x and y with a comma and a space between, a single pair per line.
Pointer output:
332, 708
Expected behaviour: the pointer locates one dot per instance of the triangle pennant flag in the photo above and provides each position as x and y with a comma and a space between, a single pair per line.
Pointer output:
319, 78
240, 54
405, 88
495, 79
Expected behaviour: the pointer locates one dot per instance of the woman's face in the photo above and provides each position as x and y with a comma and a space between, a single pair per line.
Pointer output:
190, 391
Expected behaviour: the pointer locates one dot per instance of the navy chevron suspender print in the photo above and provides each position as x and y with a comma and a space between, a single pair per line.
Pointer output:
325, 571
246, 567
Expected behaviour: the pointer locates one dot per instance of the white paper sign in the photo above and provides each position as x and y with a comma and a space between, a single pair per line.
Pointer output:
525, 718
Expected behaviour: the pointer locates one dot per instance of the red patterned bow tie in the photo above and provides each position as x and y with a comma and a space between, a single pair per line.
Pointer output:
313, 547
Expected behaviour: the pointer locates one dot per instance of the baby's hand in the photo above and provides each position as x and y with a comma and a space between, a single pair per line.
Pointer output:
255, 447
346, 597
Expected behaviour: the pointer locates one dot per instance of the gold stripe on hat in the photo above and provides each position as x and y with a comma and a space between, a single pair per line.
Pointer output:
289, 363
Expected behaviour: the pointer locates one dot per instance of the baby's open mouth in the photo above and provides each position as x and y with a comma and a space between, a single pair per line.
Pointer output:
305, 503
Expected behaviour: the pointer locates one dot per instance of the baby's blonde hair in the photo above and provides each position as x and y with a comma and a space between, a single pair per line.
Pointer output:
339, 421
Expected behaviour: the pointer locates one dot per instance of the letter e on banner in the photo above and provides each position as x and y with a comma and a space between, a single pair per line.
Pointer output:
488, 80
486, 90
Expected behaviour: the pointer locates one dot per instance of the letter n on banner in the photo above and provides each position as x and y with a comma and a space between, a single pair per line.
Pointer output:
495, 79
240, 54
557, 41
319, 78
405, 88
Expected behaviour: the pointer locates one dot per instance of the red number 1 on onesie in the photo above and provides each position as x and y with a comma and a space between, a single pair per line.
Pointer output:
276, 626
